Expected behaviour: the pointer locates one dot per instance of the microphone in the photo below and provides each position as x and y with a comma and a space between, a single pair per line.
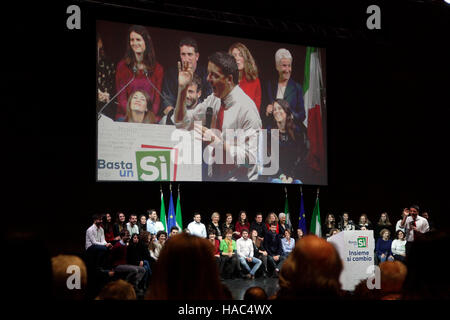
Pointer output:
155, 88
209, 113
123, 88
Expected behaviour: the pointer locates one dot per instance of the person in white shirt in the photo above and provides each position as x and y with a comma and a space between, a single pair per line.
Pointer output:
96, 245
95, 236
232, 112
244, 249
132, 226
196, 228
153, 225
413, 224
398, 246
399, 222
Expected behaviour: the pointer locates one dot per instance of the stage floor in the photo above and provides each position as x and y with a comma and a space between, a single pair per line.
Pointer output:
239, 286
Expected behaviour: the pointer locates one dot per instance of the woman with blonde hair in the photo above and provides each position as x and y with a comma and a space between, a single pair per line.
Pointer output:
248, 72
272, 217
214, 226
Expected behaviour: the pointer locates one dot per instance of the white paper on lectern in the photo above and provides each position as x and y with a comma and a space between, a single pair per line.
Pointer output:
119, 141
356, 249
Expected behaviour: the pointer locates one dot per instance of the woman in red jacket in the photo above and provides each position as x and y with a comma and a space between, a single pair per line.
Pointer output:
242, 223
248, 72
139, 62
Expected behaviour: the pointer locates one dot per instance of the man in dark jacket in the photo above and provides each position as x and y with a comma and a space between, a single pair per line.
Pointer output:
259, 226
272, 243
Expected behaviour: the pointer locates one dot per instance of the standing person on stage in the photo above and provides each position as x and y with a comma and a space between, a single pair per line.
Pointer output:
189, 53
108, 226
244, 249
214, 226
241, 224
196, 228
248, 72
228, 224
414, 225
272, 243
132, 226
259, 226
153, 223
282, 226
231, 109
364, 223
345, 223
383, 223
140, 62
142, 223
330, 223
272, 218
285, 88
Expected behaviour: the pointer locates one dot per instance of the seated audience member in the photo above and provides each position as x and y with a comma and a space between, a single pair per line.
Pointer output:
398, 226
427, 273
248, 72
330, 223
216, 244
272, 243
142, 223
119, 225
258, 225
228, 224
345, 224
383, 246
245, 252
271, 218
228, 255
287, 243
255, 293
196, 228
139, 62
393, 274
137, 109
283, 224
117, 290
364, 223
186, 255
156, 246
300, 234
118, 256
311, 271
259, 252
241, 224
383, 223
108, 227
132, 226
153, 223
96, 245
398, 247
136, 256
60, 267
173, 231
414, 225
214, 226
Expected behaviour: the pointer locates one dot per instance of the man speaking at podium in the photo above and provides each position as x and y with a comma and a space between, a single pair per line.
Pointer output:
228, 107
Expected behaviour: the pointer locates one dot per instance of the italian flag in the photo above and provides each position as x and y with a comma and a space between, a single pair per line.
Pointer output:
313, 108
178, 213
162, 213
315, 227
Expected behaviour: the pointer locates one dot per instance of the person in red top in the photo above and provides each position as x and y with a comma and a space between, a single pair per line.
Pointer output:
216, 244
271, 218
241, 224
140, 62
248, 72
108, 225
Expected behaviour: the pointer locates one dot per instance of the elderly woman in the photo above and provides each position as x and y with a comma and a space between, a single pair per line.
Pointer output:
283, 225
285, 88
248, 72
214, 226
139, 62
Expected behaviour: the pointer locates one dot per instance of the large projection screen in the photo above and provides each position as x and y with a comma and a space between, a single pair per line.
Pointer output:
243, 110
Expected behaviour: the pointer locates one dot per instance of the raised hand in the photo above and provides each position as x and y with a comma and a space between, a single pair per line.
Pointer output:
185, 74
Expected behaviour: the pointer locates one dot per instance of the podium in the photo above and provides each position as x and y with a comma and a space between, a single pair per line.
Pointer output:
356, 249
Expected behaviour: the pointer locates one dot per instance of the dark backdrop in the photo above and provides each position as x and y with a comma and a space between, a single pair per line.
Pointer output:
387, 99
